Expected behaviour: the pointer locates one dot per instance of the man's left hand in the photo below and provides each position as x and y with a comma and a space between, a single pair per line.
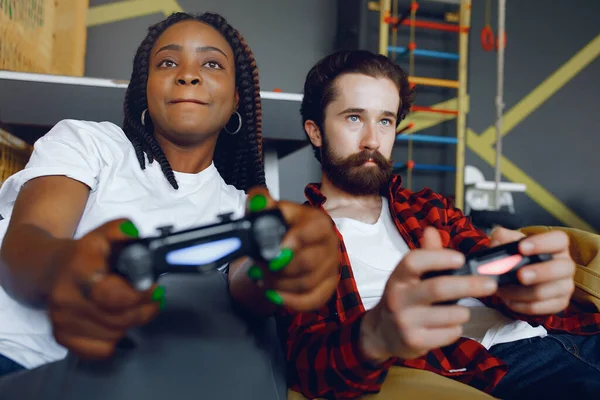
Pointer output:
546, 287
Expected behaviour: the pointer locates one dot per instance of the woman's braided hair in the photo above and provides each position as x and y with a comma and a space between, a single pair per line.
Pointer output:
238, 158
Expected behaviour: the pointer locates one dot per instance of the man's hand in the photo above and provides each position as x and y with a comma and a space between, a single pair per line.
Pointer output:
407, 322
546, 287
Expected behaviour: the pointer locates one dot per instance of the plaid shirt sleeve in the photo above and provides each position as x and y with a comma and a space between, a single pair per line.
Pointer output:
324, 358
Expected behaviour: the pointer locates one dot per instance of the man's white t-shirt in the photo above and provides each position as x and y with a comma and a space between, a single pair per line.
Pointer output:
376, 249
100, 156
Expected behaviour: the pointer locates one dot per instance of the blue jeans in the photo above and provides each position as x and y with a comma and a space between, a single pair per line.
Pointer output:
558, 366
8, 366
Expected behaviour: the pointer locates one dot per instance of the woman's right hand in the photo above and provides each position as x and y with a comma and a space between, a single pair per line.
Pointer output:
90, 308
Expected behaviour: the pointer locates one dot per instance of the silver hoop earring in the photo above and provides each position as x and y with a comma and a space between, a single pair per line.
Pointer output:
239, 124
144, 117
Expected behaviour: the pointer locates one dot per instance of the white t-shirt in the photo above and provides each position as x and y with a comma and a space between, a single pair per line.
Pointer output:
489, 326
376, 249
100, 156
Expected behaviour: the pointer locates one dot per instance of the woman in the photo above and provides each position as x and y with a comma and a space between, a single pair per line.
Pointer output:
189, 149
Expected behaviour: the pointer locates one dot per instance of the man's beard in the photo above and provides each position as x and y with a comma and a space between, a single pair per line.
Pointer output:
352, 176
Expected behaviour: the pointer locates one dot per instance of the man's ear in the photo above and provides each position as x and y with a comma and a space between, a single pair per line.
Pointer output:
314, 133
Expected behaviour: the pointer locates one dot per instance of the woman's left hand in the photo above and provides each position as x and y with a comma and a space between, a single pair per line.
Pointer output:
304, 276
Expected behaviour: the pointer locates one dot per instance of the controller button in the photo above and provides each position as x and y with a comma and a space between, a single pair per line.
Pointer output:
165, 230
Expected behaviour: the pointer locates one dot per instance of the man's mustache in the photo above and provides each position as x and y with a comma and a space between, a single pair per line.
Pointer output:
358, 159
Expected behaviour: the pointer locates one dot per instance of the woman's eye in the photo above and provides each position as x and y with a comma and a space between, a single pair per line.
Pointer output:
167, 63
213, 65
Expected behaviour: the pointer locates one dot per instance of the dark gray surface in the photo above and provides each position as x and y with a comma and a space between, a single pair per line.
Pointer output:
557, 144
198, 347
287, 37
305, 169
44, 103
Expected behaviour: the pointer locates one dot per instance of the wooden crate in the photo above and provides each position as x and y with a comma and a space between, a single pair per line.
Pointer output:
14, 155
44, 36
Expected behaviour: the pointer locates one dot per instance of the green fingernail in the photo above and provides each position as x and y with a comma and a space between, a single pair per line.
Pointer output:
273, 297
255, 273
258, 203
283, 258
158, 294
162, 303
129, 229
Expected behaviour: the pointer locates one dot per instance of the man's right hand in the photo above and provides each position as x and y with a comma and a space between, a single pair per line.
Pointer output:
407, 323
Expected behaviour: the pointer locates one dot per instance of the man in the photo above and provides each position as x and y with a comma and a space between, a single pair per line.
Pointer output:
505, 341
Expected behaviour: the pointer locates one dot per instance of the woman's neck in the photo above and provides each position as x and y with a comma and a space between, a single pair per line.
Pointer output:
191, 158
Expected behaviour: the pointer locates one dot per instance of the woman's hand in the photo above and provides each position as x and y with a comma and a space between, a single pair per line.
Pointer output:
90, 308
305, 274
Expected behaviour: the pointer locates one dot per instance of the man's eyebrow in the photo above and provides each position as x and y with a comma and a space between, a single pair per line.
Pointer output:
352, 110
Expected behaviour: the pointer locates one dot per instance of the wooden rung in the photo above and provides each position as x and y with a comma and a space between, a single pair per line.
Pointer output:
418, 80
433, 110
452, 17
373, 5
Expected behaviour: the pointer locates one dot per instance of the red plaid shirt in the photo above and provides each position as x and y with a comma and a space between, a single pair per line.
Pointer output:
322, 346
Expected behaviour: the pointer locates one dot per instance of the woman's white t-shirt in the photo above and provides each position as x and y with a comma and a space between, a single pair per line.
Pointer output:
100, 156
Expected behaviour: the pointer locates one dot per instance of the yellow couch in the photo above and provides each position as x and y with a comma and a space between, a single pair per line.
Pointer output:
408, 383
416, 384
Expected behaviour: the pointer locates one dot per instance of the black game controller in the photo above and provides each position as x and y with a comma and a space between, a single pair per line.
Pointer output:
199, 250
500, 263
